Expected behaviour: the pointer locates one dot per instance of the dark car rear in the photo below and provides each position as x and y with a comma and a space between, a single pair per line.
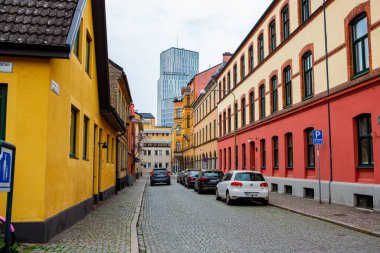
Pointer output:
207, 180
159, 176
190, 178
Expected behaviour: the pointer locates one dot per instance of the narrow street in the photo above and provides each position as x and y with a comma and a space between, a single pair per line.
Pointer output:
176, 219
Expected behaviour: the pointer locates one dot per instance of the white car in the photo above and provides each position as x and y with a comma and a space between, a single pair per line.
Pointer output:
243, 185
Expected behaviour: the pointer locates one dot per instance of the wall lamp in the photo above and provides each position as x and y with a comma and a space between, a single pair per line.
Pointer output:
104, 144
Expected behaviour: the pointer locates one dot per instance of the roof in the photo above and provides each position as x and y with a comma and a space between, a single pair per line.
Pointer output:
146, 115
29, 27
121, 75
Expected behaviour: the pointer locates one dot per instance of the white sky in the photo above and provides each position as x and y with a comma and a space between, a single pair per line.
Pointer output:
139, 30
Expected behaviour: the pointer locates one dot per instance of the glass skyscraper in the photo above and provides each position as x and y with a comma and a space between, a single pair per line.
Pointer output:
177, 68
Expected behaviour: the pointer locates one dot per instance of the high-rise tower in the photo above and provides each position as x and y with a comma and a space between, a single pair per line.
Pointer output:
177, 68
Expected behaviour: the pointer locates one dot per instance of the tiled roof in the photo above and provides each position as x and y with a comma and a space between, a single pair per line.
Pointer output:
45, 22
146, 115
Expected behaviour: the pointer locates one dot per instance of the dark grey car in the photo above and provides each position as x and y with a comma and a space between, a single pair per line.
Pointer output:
207, 180
159, 175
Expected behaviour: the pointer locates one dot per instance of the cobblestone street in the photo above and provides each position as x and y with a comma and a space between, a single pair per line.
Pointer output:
107, 229
176, 219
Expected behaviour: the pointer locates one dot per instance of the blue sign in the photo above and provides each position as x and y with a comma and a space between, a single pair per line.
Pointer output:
5, 169
378, 120
205, 160
317, 137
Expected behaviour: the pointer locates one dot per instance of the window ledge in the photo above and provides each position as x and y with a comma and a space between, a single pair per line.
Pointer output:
289, 168
86, 159
73, 157
308, 97
364, 167
287, 106
310, 168
360, 74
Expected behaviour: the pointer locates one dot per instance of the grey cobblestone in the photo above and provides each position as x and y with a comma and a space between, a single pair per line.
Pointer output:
107, 229
175, 219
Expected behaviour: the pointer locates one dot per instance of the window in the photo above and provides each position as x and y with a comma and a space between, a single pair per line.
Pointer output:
224, 86
272, 30
224, 123
178, 130
364, 201
244, 156
178, 146
263, 154
85, 138
307, 75
220, 90
236, 157
365, 145
360, 52
275, 152
262, 101
149, 152
285, 23
288, 86
214, 128
166, 165
3, 110
308, 193
243, 109
261, 48
188, 121
229, 158
77, 44
229, 119
236, 116
310, 148
242, 67
250, 55
210, 131
289, 150
167, 152
88, 53
235, 75
178, 113
274, 94
274, 187
188, 100
251, 107
288, 189
305, 10
220, 125
112, 150
229, 81
73, 132
224, 158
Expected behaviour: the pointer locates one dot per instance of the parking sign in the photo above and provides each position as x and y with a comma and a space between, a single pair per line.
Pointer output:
6, 156
317, 137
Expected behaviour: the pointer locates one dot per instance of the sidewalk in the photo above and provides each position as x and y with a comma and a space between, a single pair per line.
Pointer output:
106, 229
358, 219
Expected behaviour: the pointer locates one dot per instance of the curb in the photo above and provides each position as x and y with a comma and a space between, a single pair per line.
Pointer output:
134, 238
342, 224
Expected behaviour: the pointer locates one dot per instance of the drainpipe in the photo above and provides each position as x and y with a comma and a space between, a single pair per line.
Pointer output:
328, 102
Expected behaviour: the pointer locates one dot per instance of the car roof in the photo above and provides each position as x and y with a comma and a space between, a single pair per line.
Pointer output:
245, 171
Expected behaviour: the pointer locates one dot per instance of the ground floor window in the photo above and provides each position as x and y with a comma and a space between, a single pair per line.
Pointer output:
3, 110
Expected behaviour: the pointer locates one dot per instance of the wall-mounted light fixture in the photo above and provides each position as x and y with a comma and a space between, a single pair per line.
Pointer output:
104, 144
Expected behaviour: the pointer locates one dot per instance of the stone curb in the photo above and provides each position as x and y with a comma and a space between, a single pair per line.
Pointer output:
365, 231
134, 237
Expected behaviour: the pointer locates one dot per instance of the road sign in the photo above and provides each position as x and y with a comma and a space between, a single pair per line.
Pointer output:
317, 137
378, 120
205, 160
6, 156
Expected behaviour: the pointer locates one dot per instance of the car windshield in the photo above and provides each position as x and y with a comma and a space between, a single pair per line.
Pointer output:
159, 172
193, 173
249, 177
213, 174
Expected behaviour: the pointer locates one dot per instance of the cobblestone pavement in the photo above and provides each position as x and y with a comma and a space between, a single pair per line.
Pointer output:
176, 219
107, 229
360, 219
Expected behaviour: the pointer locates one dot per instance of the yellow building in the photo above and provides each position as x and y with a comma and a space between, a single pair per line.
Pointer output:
156, 145
55, 107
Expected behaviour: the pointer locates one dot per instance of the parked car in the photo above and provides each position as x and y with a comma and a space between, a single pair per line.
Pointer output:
207, 180
190, 178
159, 175
181, 176
243, 185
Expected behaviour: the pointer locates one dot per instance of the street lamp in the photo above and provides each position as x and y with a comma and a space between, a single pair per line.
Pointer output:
202, 92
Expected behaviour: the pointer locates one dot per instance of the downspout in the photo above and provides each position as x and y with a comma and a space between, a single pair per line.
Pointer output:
328, 102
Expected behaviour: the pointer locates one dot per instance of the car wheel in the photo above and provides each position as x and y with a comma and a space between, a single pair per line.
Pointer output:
217, 195
169, 182
229, 201
188, 186
151, 183
265, 202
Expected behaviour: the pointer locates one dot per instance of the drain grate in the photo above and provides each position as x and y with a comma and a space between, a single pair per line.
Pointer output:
340, 214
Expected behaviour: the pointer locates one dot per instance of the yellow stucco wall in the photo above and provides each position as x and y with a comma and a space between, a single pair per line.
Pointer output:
47, 181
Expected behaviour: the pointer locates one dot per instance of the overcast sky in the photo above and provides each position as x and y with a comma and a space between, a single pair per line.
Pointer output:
138, 31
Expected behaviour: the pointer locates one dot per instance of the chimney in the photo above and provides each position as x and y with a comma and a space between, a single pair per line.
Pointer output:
226, 56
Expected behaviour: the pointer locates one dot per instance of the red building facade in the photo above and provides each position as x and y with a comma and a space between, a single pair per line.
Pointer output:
283, 87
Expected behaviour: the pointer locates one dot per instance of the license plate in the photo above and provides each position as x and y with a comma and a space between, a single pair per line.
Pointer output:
252, 194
